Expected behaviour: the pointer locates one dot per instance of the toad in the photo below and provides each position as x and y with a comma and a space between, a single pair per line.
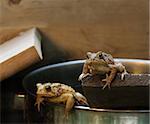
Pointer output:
58, 93
102, 63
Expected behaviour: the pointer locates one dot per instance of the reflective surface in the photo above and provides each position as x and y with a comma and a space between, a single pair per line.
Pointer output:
95, 117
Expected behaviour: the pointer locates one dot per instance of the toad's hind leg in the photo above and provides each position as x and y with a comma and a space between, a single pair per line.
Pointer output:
69, 104
110, 78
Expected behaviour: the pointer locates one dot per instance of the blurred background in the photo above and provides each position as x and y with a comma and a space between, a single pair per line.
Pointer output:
69, 29
73, 27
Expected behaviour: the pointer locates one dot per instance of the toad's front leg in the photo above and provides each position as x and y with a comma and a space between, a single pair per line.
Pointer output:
69, 104
39, 100
85, 71
110, 78
120, 68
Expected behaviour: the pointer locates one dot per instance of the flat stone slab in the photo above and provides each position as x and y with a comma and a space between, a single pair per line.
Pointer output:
129, 80
131, 93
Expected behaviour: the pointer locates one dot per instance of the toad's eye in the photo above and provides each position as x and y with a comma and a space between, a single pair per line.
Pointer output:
48, 88
87, 56
100, 56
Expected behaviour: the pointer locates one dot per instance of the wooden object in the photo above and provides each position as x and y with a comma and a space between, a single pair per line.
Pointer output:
78, 26
19, 53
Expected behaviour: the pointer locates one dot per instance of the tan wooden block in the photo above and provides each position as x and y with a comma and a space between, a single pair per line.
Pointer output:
19, 53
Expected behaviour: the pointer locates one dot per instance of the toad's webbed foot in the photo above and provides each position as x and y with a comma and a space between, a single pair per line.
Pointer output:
82, 76
110, 78
123, 74
108, 82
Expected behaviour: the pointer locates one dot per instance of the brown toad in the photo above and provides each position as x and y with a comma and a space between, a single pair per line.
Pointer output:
58, 93
102, 63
